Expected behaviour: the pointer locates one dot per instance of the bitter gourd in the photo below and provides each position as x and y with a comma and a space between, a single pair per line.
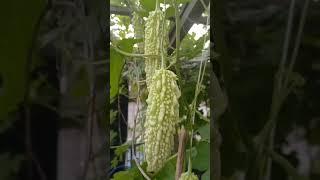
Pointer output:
161, 118
156, 30
188, 176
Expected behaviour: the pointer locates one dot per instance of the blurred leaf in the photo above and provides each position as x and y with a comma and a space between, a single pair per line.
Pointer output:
127, 44
170, 12
130, 174
148, 5
117, 2
114, 162
202, 159
168, 171
113, 134
116, 65
205, 131
113, 115
190, 47
120, 150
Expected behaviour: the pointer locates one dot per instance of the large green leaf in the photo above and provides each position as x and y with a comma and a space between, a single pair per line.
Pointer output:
202, 159
130, 174
168, 171
204, 131
170, 12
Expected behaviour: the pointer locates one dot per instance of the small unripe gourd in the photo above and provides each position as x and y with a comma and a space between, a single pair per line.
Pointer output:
188, 176
161, 118
156, 30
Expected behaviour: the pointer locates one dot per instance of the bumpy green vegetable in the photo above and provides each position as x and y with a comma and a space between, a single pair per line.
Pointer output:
161, 118
154, 33
188, 176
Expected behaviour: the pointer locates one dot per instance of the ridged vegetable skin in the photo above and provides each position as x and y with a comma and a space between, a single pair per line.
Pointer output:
188, 176
161, 118
155, 30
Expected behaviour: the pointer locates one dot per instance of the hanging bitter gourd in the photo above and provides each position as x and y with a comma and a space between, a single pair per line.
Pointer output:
188, 176
156, 30
161, 118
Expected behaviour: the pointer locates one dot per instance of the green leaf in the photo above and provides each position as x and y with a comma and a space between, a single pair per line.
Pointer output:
148, 5
119, 153
168, 171
113, 115
170, 12
127, 44
205, 131
113, 135
117, 2
202, 159
130, 174
116, 65
114, 162
122, 149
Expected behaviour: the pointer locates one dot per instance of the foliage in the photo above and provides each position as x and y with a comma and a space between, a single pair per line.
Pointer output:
119, 154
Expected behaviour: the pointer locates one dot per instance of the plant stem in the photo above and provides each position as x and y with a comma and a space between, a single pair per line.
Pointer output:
298, 40
177, 18
133, 136
197, 91
181, 152
281, 88
286, 42
157, 5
